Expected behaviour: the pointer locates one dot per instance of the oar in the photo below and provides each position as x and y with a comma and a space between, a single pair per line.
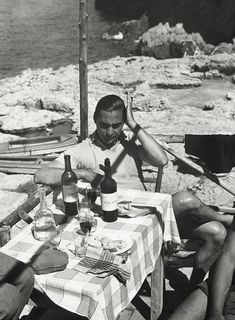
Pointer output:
195, 166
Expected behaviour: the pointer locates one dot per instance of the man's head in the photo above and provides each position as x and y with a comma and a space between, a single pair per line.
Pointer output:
110, 116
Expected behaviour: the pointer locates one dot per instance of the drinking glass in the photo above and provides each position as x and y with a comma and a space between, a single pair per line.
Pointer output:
92, 196
55, 241
86, 220
80, 239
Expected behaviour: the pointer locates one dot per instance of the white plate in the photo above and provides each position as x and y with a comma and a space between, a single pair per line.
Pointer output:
117, 236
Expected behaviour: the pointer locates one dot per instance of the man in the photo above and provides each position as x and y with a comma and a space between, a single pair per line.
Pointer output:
16, 285
109, 141
194, 219
217, 303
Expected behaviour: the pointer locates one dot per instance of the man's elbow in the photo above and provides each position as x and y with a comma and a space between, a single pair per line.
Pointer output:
163, 160
39, 177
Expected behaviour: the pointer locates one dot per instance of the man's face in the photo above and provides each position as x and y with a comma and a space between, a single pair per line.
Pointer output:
109, 126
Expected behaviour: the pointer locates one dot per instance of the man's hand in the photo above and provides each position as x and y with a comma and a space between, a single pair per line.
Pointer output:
130, 121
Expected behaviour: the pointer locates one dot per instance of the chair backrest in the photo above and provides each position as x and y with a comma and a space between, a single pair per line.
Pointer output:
152, 177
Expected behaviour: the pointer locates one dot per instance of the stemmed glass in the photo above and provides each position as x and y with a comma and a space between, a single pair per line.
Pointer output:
91, 196
85, 216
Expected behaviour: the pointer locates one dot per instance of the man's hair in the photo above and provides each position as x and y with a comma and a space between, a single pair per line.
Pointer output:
109, 103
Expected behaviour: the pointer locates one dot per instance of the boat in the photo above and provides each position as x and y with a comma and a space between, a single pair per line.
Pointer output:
26, 156
42, 145
25, 164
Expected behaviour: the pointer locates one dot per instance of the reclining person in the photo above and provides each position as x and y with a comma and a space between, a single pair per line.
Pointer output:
194, 219
16, 285
218, 301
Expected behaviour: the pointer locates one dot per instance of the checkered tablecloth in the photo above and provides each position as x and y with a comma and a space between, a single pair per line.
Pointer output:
104, 298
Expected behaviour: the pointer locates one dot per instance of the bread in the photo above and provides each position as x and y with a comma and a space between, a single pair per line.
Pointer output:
107, 243
94, 243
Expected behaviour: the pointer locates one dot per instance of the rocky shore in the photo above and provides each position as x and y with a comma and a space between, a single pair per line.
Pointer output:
193, 94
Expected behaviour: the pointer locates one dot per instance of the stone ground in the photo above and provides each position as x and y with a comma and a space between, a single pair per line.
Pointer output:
172, 96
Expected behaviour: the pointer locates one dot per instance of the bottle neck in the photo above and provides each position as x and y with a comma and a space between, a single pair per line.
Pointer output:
107, 172
107, 168
67, 163
43, 203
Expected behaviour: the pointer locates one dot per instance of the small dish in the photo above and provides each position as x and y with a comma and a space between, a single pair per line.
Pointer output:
116, 236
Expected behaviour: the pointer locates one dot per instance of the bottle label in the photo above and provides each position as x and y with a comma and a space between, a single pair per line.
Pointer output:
109, 201
70, 193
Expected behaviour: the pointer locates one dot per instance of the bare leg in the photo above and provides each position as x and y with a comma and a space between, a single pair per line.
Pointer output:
192, 218
9, 302
20, 277
192, 308
184, 203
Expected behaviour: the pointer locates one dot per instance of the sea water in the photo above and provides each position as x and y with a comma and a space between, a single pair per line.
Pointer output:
41, 34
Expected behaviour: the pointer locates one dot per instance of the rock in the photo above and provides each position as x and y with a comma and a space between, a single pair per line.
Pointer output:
213, 104
10, 201
22, 119
209, 106
164, 42
224, 63
12, 182
8, 137
130, 73
4, 109
213, 19
224, 48
212, 74
230, 96
151, 104
49, 102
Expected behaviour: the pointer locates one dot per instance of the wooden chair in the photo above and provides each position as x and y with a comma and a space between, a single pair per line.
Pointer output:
152, 177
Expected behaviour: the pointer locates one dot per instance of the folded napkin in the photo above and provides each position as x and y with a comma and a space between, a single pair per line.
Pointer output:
104, 263
127, 208
49, 261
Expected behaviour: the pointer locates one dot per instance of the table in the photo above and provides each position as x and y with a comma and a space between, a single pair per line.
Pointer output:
104, 298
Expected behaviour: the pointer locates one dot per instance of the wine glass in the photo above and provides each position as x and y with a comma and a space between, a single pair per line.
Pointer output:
87, 221
92, 196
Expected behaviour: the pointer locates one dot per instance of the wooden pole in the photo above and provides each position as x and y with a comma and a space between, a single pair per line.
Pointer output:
83, 39
196, 167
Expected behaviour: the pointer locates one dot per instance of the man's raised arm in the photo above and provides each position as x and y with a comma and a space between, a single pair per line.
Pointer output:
155, 153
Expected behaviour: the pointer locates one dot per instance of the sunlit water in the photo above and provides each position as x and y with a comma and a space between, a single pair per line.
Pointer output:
41, 34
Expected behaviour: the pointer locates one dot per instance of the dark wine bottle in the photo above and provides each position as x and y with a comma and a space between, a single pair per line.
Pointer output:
69, 189
108, 188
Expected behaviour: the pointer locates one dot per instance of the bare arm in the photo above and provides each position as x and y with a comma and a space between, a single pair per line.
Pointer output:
51, 174
155, 153
222, 276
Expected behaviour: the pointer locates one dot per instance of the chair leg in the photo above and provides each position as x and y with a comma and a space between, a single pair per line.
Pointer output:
157, 289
